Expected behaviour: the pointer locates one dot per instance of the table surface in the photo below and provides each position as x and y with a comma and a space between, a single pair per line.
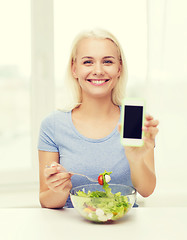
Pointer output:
139, 223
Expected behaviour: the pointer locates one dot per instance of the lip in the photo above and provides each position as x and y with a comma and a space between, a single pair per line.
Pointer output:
98, 82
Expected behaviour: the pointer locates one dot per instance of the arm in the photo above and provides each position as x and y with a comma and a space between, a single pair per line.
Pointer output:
141, 160
143, 174
54, 185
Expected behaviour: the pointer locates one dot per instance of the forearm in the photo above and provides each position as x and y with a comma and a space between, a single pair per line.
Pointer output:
51, 199
143, 178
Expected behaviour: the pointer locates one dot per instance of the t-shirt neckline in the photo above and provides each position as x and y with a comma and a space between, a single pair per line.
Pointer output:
115, 130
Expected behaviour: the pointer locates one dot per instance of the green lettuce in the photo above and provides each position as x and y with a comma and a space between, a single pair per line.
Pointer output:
113, 205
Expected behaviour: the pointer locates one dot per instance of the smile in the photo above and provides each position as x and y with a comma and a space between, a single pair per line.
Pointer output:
98, 82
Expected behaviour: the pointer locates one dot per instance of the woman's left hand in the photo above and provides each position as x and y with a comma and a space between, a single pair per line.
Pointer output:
150, 129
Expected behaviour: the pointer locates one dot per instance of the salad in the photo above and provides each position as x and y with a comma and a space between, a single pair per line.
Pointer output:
102, 206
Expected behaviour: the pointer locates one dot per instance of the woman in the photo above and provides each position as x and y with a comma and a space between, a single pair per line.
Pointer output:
84, 137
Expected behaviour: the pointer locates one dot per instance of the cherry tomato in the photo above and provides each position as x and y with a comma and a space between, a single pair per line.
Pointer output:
100, 179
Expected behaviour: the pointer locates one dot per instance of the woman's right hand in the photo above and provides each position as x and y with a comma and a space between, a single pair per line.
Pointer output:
57, 178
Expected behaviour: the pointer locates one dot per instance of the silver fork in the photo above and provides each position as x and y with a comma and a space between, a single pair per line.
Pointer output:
90, 179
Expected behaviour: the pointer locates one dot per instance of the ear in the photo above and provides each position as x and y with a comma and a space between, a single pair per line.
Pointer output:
73, 69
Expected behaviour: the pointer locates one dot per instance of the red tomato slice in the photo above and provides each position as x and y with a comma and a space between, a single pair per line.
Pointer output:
100, 179
91, 208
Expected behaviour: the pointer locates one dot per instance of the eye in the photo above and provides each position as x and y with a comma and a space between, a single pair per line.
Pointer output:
108, 62
87, 62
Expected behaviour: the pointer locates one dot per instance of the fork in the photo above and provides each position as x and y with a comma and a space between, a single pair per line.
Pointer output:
80, 174
89, 178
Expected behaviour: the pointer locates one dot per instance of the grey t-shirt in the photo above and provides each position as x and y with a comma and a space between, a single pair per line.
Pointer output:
81, 154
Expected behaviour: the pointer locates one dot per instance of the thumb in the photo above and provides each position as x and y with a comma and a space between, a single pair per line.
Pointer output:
54, 164
57, 165
60, 168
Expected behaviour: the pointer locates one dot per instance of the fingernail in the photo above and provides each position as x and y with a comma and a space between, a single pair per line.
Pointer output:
53, 165
145, 129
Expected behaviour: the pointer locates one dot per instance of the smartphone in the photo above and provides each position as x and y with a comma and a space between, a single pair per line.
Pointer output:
132, 121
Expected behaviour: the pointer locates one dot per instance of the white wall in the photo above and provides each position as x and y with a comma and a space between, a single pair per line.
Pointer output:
168, 105
166, 95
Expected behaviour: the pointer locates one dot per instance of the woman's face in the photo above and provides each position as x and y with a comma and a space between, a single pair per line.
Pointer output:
97, 66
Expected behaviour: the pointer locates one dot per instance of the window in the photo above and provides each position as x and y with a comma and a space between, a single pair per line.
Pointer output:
15, 64
26, 85
29, 90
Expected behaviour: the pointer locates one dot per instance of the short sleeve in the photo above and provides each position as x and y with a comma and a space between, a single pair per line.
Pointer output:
46, 141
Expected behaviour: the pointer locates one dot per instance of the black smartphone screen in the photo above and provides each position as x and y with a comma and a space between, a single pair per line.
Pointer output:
133, 117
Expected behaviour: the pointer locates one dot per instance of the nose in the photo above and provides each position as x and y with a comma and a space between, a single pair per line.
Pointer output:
98, 69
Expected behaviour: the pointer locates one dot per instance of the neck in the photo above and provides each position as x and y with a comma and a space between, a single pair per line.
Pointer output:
97, 107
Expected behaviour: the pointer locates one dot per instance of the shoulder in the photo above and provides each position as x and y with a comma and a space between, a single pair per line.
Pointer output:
55, 119
48, 120
61, 117
55, 116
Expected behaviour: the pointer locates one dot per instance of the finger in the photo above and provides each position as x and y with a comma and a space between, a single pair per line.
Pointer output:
53, 185
153, 132
150, 132
60, 168
148, 117
50, 171
57, 183
54, 164
59, 176
55, 167
153, 123
149, 143
63, 186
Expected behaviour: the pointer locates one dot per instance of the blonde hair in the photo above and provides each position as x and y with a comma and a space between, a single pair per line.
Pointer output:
72, 90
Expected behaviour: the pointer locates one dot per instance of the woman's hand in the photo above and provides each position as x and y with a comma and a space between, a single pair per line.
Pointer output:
150, 129
57, 178
141, 159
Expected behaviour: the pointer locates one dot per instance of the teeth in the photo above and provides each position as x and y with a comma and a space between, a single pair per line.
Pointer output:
98, 82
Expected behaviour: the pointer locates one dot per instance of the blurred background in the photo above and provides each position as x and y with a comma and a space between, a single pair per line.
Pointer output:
35, 41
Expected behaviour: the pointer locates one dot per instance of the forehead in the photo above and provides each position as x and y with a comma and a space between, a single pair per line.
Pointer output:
96, 48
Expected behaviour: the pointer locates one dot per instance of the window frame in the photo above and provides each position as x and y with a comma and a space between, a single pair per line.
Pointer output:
42, 86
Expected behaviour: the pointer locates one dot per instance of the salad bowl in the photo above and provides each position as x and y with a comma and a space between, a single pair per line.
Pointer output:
98, 204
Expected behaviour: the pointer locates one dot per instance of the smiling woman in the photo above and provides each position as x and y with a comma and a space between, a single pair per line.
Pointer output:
85, 138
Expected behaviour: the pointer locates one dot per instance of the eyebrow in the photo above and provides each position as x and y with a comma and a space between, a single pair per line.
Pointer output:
103, 57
